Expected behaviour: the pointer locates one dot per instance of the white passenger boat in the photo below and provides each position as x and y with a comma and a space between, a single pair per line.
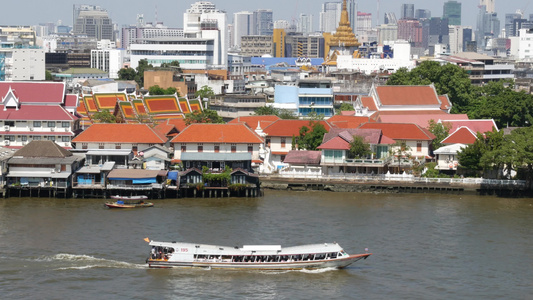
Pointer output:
268, 257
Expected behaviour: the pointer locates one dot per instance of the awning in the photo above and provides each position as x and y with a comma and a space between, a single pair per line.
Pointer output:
173, 175
38, 174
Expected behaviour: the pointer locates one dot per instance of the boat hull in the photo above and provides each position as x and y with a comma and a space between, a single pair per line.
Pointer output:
117, 205
295, 265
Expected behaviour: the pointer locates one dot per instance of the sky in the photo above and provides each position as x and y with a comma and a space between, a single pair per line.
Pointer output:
170, 12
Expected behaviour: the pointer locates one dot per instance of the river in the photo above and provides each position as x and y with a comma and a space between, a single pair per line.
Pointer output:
425, 246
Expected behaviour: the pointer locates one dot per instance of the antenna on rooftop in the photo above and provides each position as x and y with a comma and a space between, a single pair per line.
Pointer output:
156, 14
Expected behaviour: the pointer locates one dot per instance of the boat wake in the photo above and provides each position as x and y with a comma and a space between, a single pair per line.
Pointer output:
81, 262
307, 271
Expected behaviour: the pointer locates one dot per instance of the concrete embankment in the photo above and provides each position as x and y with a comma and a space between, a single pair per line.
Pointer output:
294, 184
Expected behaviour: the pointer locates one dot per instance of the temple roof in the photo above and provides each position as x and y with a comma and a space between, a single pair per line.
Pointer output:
344, 36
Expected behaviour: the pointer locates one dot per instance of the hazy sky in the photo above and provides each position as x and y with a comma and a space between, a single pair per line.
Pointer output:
32, 12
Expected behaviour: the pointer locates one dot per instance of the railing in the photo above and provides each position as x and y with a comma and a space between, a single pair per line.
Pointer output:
399, 178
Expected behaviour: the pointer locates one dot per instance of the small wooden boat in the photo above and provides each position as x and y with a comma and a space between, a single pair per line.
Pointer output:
129, 198
128, 204
266, 257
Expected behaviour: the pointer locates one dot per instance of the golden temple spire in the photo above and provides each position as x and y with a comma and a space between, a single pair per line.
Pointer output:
344, 36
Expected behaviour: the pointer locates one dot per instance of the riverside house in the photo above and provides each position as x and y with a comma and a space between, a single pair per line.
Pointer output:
43, 166
34, 111
218, 145
135, 137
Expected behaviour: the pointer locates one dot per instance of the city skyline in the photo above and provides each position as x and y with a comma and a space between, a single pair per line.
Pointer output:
170, 12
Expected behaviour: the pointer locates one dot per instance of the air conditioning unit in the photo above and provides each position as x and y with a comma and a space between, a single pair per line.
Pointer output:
66, 129
6, 142
24, 143
52, 170
7, 127
52, 129
31, 128
67, 144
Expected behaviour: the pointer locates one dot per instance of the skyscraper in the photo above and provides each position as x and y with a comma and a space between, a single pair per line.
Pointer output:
488, 26
330, 16
93, 21
263, 22
242, 25
452, 11
408, 11
489, 5
352, 13
422, 14
305, 23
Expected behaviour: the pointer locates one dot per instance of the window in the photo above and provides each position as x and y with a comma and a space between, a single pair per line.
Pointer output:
51, 124
65, 139
183, 148
65, 124
134, 148
118, 146
200, 147
84, 145
268, 142
36, 138
250, 148
418, 146
9, 138
101, 146
52, 138
24, 138
233, 148
36, 123
283, 142
217, 148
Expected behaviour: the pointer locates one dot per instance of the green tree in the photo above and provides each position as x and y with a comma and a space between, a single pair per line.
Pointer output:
470, 156
440, 130
310, 139
400, 149
204, 92
359, 148
313, 115
206, 116
48, 76
127, 74
344, 107
103, 116
173, 65
143, 66
266, 111
156, 90
286, 114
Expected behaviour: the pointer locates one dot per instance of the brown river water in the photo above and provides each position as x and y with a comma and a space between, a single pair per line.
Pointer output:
425, 246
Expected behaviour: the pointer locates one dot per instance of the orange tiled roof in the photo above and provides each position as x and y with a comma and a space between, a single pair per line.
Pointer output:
108, 100
289, 128
162, 104
139, 106
90, 104
251, 121
445, 103
178, 123
341, 121
119, 133
218, 133
462, 135
407, 95
397, 131
184, 105
369, 103
482, 126
418, 117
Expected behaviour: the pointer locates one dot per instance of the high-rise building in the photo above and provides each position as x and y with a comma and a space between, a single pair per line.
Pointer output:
305, 23
330, 16
351, 7
387, 33
489, 5
411, 31
452, 11
488, 27
263, 22
93, 21
408, 11
390, 18
422, 14
438, 31
242, 25
364, 23
456, 39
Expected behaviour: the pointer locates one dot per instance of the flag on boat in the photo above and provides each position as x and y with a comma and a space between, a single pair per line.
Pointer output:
147, 240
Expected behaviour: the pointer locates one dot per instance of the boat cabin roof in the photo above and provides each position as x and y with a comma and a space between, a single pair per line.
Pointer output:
250, 249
